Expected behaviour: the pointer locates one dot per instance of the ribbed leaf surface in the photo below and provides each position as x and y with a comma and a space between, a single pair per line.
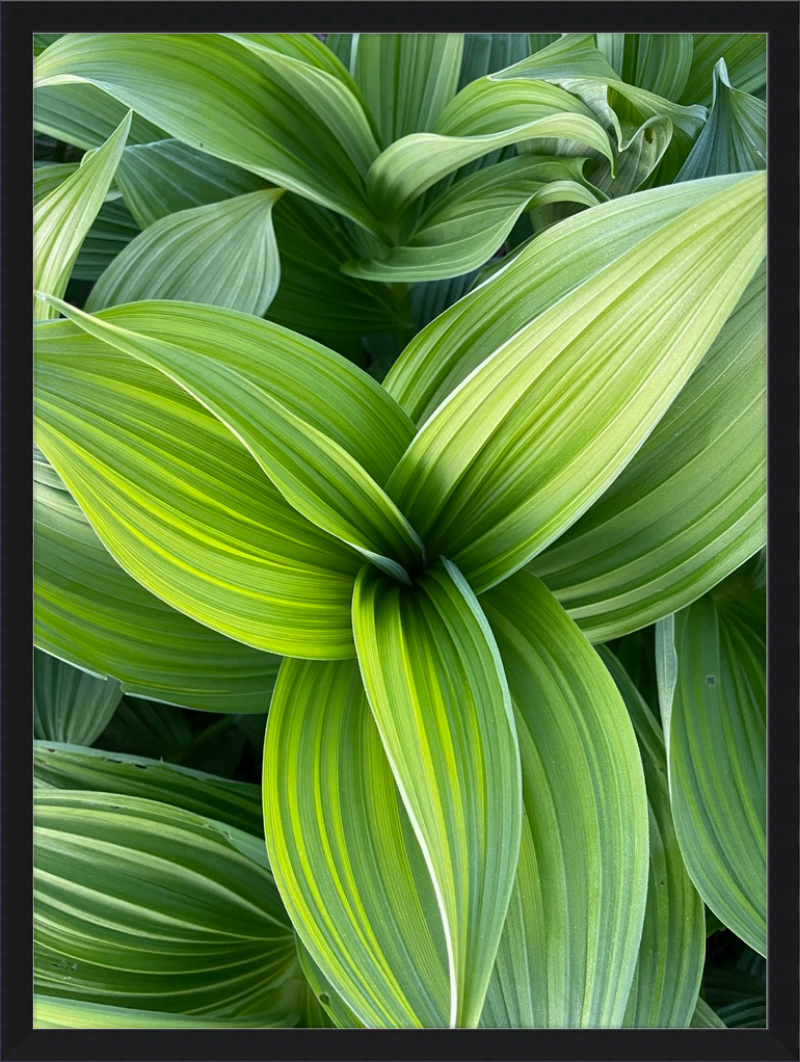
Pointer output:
69, 704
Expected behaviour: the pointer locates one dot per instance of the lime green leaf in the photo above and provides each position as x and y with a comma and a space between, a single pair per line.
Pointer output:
44, 40
320, 444
569, 949
483, 117
735, 136
438, 693
48, 177
223, 254
62, 219
139, 904
407, 79
52, 1012
716, 740
658, 62
65, 766
539, 431
274, 115
467, 224
336, 1011
344, 854
85, 116
745, 56
705, 1018
182, 505
691, 506
672, 952
91, 613
167, 176
68, 704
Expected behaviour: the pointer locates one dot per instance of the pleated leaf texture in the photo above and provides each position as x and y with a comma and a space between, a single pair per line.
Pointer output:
469, 813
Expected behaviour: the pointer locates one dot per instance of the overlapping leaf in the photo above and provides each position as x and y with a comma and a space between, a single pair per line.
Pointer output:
182, 506
658, 62
715, 722
745, 56
68, 704
438, 693
538, 432
569, 948
264, 383
672, 952
223, 254
275, 115
84, 115
141, 905
62, 219
90, 612
691, 506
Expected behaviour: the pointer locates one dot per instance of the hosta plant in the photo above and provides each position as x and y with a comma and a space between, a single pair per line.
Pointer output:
500, 598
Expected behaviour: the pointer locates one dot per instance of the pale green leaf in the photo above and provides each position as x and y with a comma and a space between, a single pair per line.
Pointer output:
139, 904
111, 232
90, 612
716, 744
182, 505
65, 766
46, 178
486, 52
274, 115
570, 944
672, 952
439, 696
658, 62
53, 1012
745, 56
735, 136
484, 116
69, 704
539, 431
407, 79
223, 254
62, 219
320, 445
85, 116
691, 506
344, 854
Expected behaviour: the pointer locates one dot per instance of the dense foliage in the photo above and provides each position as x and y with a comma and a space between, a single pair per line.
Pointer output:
400, 480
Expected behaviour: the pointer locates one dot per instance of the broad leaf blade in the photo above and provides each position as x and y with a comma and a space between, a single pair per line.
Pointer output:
182, 505
84, 115
658, 62
138, 904
716, 742
745, 56
223, 254
343, 852
321, 444
569, 949
439, 697
538, 432
691, 506
70, 705
62, 219
672, 952
54, 1012
91, 613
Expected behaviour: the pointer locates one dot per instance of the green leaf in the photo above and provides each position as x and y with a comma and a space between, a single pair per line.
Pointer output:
145, 728
658, 62
407, 79
181, 504
538, 432
570, 944
111, 232
62, 219
85, 116
745, 56
467, 224
484, 53
735, 136
691, 506
705, 1018
275, 115
138, 904
91, 613
320, 444
672, 952
223, 254
344, 854
52, 1012
739, 998
483, 117
438, 693
716, 741
46, 178
68, 704
65, 766
335, 1010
